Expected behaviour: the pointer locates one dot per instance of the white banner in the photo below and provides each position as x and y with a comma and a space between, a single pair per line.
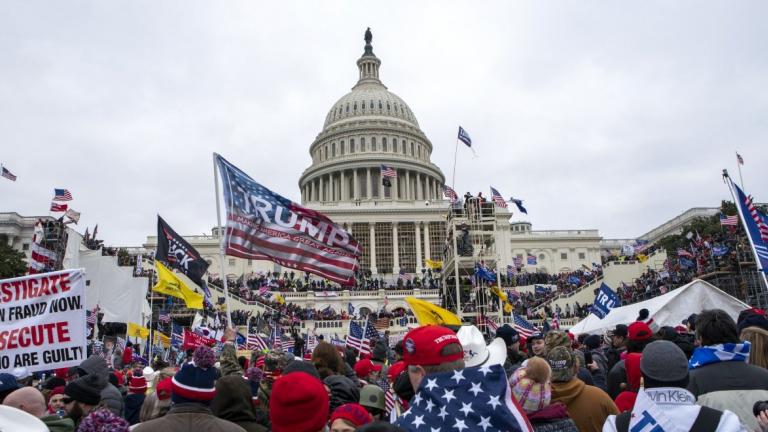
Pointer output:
42, 321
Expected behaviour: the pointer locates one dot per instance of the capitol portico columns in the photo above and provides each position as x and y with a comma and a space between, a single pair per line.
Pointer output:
372, 242
427, 251
395, 250
419, 261
355, 185
408, 194
368, 192
343, 186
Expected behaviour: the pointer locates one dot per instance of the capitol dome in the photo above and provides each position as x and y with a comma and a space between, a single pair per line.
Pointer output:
365, 129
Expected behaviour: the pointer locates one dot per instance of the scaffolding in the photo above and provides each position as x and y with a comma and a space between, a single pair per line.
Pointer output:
471, 237
54, 239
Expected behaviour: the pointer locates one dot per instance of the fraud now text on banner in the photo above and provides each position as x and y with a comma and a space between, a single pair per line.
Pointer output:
42, 321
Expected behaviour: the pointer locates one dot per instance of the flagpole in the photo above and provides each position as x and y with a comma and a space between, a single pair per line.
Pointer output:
455, 158
151, 312
746, 228
738, 165
221, 240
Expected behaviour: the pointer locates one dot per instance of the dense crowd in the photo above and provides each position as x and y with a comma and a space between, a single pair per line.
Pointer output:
706, 373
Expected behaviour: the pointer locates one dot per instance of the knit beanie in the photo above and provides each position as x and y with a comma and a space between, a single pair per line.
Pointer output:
531, 385
85, 389
299, 403
254, 376
195, 381
353, 413
138, 384
164, 389
103, 420
592, 342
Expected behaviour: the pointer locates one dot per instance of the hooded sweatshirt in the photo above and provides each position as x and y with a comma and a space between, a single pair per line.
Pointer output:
110, 395
588, 406
58, 424
233, 402
133, 403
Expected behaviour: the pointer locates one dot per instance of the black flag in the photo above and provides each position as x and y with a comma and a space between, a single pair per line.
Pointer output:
385, 182
174, 251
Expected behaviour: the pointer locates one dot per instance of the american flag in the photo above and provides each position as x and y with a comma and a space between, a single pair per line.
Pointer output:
471, 399
381, 324
518, 260
390, 397
387, 171
277, 340
497, 198
449, 193
729, 220
164, 316
263, 225
685, 253
739, 159
7, 174
91, 316
62, 195
256, 342
488, 322
357, 340
41, 259
556, 321
759, 219
464, 137
524, 327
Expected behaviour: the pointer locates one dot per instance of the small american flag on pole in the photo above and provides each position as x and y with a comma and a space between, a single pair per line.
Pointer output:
739, 159
256, 342
387, 171
62, 195
464, 137
7, 174
91, 316
164, 317
497, 198
449, 193
56, 207
729, 220
524, 327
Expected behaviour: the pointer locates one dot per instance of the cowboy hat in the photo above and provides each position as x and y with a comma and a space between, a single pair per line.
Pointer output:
476, 352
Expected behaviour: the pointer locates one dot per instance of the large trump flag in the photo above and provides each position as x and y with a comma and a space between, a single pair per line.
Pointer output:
264, 225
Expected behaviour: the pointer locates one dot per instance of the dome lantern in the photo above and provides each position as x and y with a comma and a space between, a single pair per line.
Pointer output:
368, 64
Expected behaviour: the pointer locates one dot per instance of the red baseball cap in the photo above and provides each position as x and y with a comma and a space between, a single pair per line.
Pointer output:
639, 331
364, 367
395, 370
422, 346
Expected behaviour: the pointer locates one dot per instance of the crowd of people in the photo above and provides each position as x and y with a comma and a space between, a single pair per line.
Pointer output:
706, 373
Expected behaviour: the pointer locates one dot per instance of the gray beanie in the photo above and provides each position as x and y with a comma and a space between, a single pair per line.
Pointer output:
664, 361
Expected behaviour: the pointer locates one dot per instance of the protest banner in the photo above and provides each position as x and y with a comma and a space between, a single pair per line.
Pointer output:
605, 300
42, 321
194, 340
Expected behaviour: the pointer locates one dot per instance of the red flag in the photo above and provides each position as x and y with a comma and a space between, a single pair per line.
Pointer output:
56, 207
194, 340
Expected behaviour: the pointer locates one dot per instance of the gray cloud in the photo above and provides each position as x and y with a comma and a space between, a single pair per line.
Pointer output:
604, 115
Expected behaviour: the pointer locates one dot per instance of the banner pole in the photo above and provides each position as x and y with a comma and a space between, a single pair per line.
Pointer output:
455, 157
738, 165
746, 228
221, 240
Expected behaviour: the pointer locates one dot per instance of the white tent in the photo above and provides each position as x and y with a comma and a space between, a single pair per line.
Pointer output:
666, 310
121, 297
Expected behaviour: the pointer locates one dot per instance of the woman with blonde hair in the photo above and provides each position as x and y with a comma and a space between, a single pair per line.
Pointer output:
753, 328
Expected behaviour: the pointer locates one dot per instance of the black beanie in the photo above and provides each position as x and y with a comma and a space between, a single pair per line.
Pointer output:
85, 389
592, 342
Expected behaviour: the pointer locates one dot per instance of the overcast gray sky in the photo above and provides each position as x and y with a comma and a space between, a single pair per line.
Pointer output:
604, 114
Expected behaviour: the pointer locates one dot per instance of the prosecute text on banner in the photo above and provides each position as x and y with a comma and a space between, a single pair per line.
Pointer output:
42, 321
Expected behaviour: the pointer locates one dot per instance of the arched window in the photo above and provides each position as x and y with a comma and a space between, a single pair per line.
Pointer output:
355, 107
373, 144
380, 105
352, 145
362, 144
347, 106
384, 144
542, 257
333, 149
411, 152
405, 147
387, 105
341, 148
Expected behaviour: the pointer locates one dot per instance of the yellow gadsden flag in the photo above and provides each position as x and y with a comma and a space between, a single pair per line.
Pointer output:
434, 265
170, 284
162, 339
135, 330
429, 313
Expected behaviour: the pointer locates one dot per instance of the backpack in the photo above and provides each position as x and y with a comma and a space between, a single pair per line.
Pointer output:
706, 421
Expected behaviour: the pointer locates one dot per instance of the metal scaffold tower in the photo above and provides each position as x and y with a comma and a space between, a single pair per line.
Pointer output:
471, 242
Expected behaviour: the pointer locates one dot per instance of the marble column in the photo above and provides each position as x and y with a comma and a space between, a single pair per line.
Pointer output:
372, 244
408, 185
395, 250
355, 185
343, 186
427, 251
395, 187
321, 189
419, 260
418, 187
368, 191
